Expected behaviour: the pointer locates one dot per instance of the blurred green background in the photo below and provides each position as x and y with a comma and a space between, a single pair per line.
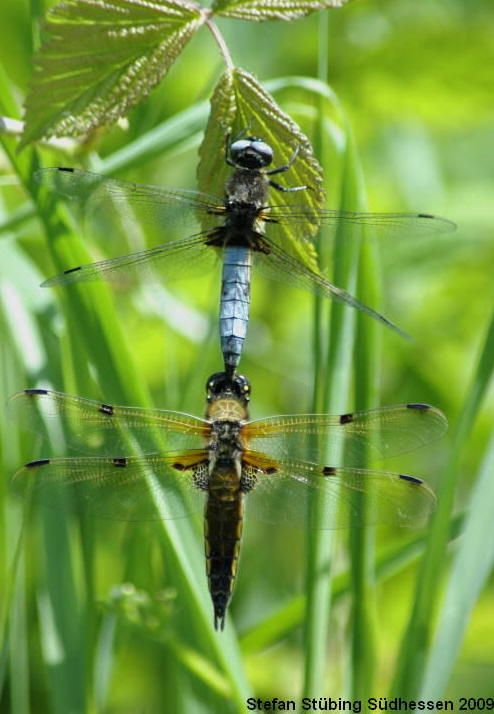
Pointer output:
415, 80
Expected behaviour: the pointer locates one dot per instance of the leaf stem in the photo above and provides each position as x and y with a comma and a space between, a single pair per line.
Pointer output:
221, 44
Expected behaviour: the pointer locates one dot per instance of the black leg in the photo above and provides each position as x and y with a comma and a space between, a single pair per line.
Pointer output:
286, 166
288, 189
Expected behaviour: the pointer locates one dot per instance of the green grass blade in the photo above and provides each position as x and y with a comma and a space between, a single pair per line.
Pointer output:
418, 635
334, 389
18, 638
161, 139
393, 560
361, 540
470, 569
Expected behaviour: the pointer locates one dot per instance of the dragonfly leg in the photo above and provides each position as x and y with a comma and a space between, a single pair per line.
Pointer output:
288, 189
285, 167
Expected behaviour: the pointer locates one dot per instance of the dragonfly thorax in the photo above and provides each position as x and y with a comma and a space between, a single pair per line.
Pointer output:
246, 192
225, 452
225, 440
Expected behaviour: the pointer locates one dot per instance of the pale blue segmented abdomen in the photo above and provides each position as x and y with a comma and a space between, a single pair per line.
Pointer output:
235, 301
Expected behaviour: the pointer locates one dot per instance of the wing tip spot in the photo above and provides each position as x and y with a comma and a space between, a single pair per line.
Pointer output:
418, 406
346, 418
35, 391
120, 462
65, 168
329, 471
38, 462
411, 479
106, 409
72, 270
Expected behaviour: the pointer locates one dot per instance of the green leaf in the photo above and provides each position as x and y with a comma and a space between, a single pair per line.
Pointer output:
239, 103
101, 59
259, 10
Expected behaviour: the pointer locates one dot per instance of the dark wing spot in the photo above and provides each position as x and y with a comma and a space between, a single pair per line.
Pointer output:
412, 479
106, 409
346, 418
423, 407
35, 391
329, 471
270, 470
72, 270
64, 168
425, 215
121, 462
39, 462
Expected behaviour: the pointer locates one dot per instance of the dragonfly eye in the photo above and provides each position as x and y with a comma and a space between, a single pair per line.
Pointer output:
251, 153
218, 384
242, 386
221, 384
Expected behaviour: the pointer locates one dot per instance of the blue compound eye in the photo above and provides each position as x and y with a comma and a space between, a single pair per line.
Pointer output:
251, 153
264, 150
240, 145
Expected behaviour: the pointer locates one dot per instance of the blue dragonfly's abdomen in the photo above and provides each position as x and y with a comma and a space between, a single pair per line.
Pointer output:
234, 304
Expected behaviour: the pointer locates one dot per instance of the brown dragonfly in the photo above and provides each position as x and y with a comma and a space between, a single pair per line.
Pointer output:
155, 464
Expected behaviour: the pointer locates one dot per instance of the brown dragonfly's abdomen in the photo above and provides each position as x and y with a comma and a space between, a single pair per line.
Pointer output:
222, 532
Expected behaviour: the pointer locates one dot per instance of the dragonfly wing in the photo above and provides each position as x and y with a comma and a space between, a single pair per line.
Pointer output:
115, 198
357, 224
279, 265
353, 439
118, 488
185, 257
281, 492
88, 425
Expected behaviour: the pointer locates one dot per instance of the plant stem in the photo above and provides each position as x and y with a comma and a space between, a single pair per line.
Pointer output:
225, 52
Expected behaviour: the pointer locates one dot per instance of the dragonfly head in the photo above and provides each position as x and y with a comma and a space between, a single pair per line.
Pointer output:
251, 153
221, 385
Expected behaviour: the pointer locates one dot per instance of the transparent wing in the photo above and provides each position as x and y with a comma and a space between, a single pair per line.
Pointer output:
358, 224
119, 488
351, 439
279, 265
88, 425
184, 257
350, 497
152, 204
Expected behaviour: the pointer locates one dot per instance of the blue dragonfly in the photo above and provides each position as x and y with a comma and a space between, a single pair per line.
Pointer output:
241, 227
